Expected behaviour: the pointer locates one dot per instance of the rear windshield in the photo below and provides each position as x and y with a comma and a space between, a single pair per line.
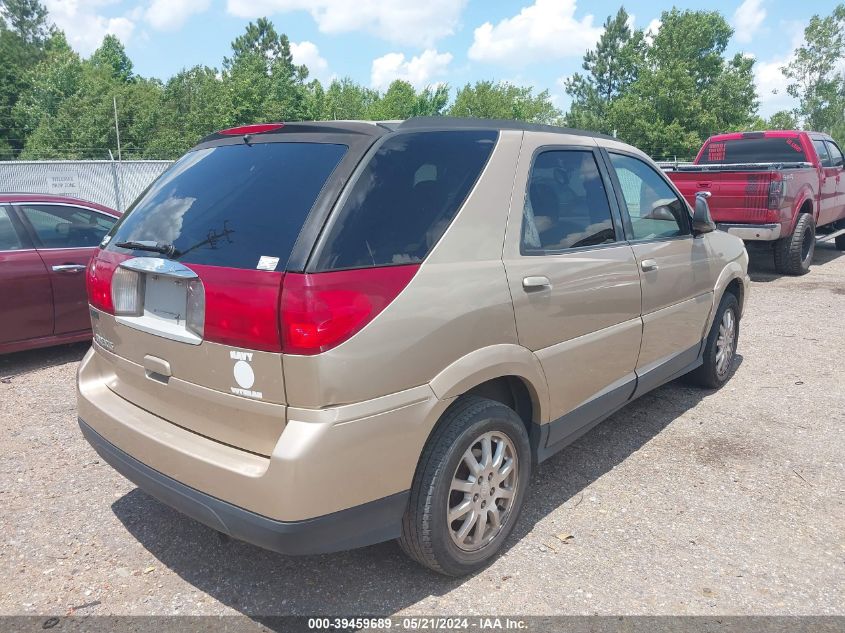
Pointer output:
754, 150
405, 199
239, 206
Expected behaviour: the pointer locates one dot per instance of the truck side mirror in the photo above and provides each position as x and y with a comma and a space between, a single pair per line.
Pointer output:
702, 221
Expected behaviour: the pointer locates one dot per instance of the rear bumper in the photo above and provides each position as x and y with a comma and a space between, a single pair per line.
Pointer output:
362, 525
752, 232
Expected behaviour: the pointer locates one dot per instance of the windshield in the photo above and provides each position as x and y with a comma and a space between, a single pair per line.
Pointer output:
240, 206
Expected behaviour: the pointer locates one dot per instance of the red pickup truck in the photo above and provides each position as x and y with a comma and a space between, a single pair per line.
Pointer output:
780, 187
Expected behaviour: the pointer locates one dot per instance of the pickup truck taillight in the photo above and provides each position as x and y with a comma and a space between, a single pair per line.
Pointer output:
777, 191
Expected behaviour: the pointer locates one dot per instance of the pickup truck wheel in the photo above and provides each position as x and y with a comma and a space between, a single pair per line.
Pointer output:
794, 253
720, 347
468, 489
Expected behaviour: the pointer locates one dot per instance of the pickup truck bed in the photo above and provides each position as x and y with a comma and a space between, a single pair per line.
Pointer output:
761, 183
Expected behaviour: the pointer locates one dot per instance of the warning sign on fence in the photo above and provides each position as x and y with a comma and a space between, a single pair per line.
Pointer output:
63, 182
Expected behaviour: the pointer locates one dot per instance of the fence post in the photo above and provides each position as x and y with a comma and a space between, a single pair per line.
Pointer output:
118, 202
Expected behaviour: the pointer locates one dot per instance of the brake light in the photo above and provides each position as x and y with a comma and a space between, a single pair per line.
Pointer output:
241, 307
320, 311
98, 278
257, 128
777, 191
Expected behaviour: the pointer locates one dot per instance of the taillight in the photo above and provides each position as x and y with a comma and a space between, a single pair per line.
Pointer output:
241, 307
777, 191
322, 310
98, 278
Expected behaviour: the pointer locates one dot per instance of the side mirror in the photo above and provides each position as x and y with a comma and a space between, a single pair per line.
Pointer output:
702, 221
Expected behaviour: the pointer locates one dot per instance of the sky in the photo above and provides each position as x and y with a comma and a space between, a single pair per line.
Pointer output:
538, 43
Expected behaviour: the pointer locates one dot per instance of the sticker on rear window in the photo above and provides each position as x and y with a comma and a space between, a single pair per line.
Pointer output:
267, 263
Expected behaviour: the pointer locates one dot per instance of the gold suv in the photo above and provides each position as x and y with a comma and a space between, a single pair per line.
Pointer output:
318, 336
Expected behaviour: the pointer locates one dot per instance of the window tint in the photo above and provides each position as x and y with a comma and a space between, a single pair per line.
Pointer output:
58, 226
566, 204
821, 150
779, 149
653, 207
405, 198
835, 154
233, 205
9, 240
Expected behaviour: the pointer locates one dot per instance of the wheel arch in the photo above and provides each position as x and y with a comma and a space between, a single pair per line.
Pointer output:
507, 373
734, 280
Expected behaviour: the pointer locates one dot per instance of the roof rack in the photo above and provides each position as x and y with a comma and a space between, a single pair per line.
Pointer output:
451, 123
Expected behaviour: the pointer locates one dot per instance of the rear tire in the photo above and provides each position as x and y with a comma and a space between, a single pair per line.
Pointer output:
446, 484
794, 253
720, 347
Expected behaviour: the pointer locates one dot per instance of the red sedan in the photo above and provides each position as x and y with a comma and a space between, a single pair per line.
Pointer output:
45, 244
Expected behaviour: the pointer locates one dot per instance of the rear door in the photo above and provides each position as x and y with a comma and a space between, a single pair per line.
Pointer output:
837, 162
828, 177
677, 270
574, 281
66, 236
26, 310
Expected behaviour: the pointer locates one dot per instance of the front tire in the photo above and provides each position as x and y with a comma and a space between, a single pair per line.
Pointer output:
469, 488
794, 253
720, 348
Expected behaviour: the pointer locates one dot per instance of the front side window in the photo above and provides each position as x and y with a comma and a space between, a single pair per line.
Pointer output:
9, 240
405, 198
60, 226
566, 204
654, 209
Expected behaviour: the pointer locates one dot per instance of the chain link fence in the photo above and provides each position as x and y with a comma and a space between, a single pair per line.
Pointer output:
111, 183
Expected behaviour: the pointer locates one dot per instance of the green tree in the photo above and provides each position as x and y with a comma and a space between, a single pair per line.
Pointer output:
23, 32
684, 89
609, 70
194, 104
814, 78
489, 100
112, 57
53, 80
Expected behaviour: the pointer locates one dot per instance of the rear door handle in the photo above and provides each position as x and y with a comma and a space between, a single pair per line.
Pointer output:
648, 265
69, 268
536, 283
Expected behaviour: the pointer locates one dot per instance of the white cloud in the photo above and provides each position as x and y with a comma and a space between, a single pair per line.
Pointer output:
307, 53
548, 29
418, 71
414, 23
652, 29
770, 80
747, 19
170, 15
85, 27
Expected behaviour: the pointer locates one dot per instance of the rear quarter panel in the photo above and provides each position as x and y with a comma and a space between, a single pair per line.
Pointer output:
457, 303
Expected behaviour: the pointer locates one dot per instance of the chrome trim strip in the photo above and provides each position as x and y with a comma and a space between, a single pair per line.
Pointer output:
159, 266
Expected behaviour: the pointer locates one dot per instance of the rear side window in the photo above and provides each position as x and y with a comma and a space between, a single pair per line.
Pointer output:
821, 150
238, 206
566, 205
9, 240
59, 226
754, 150
404, 199
835, 154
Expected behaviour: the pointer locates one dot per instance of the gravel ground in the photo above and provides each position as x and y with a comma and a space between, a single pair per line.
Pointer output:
685, 502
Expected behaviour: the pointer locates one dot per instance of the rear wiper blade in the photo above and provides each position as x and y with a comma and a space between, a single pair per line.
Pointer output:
154, 247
